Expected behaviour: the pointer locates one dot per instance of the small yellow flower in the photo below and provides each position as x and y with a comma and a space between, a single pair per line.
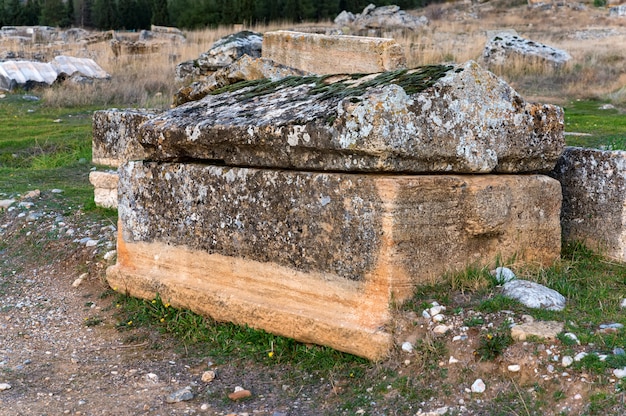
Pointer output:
153, 301
167, 305
351, 374
118, 306
115, 289
270, 354
162, 319
489, 336
129, 323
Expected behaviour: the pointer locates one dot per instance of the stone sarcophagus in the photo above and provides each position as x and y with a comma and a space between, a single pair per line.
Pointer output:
308, 206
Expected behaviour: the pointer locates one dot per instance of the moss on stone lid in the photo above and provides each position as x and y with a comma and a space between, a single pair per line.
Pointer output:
353, 85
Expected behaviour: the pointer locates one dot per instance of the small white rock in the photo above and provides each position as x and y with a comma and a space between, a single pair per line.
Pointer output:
407, 346
572, 336
567, 361
514, 368
580, 356
452, 360
478, 386
239, 388
620, 372
503, 275
441, 329
80, 279
436, 310
623, 304
578, 397
425, 314
204, 407
208, 376
110, 254
438, 318
4, 386
152, 377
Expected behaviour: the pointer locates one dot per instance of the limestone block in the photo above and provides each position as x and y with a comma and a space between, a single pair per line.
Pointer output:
105, 188
594, 199
503, 46
318, 257
115, 135
542, 329
328, 54
431, 119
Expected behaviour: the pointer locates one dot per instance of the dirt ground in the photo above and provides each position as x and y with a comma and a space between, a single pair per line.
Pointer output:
60, 351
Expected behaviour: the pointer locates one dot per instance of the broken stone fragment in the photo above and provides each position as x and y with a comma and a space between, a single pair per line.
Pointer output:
221, 54
452, 119
245, 68
318, 257
504, 46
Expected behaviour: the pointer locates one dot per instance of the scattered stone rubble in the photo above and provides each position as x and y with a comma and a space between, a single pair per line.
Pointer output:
504, 46
374, 21
276, 155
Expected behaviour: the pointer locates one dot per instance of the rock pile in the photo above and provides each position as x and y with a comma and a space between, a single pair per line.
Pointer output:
267, 197
374, 21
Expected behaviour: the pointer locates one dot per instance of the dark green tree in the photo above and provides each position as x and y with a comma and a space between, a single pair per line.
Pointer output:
15, 13
160, 13
32, 12
84, 13
53, 13
70, 15
2, 13
105, 14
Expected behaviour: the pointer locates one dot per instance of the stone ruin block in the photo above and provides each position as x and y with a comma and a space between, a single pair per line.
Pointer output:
306, 206
115, 136
594, 199
328, 54
446, 119
319, 257
105, 188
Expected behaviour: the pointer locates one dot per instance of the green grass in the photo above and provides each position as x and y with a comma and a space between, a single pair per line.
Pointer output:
605, 127
222, 341
44, 148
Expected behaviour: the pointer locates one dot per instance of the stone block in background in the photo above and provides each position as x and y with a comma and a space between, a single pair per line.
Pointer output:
333, 54
318, 257
115, 135
594, 199
105, 188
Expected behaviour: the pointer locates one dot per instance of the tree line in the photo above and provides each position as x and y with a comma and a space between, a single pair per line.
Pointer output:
187, 14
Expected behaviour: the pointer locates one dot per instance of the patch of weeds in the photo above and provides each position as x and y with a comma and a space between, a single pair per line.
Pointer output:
492, 344
474, 321
558, 395
566, 340
601, 404
497, 303
472, 279
93, 321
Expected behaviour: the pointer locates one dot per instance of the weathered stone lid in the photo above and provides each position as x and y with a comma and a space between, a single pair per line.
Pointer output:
457, 119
